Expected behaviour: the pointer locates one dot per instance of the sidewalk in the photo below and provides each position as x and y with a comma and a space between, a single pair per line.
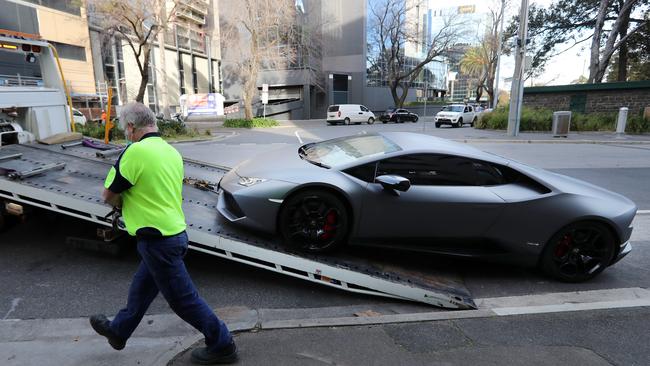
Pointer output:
600, 327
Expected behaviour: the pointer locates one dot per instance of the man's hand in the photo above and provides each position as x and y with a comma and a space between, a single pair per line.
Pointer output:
113, 199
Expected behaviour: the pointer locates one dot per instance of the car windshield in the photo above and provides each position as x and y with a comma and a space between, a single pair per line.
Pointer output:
343, 150
453, 108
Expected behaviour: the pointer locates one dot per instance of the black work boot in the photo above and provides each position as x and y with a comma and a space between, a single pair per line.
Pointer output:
102, 326
203, 356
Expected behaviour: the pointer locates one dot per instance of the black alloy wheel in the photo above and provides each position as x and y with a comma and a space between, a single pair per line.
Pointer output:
579, 252
313, 221
459, 123
415, 119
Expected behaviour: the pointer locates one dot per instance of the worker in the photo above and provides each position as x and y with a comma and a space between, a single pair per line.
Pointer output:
103, 117
146, 182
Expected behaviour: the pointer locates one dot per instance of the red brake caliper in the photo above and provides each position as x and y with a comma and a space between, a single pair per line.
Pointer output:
563, 247
329, 228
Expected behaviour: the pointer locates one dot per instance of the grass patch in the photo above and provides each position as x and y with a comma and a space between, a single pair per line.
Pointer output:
247, 123
541, 119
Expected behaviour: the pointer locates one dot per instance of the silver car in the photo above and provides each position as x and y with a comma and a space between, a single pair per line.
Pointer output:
421, 193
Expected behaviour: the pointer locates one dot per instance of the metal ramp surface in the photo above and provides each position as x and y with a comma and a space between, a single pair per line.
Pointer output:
76, 191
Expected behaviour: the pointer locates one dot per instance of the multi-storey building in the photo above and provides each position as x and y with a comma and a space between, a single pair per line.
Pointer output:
190, 51
62, 24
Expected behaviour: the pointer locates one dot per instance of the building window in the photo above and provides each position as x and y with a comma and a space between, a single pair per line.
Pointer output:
69, 51
61, 5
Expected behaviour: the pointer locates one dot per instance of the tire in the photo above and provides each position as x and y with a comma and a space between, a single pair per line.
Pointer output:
579, 252
459, 123
371, 120
313, 221
384, 122
437, 125
473, 122
415, 119
398, 120
346, 121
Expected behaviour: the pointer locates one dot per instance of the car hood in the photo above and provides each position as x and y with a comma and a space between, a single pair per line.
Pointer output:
283, 164
447, 114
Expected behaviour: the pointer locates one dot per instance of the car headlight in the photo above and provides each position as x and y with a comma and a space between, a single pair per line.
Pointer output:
250, 181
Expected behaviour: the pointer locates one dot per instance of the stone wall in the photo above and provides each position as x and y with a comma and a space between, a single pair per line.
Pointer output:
591, 98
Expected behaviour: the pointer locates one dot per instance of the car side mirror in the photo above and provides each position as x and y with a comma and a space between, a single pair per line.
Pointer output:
394, 183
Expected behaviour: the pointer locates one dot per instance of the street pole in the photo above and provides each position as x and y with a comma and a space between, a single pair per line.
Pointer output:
516, 91
495, 97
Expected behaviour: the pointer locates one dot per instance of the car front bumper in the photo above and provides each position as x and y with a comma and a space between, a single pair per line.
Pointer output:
624, 250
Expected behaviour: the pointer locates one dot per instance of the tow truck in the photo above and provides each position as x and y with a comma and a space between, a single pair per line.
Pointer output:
66, 177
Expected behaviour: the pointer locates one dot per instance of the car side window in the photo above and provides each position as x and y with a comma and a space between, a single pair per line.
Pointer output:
431, 169
365, 172
488, 174
364, 109
402, 111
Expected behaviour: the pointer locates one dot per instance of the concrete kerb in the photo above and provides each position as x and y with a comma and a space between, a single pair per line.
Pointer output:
554, 141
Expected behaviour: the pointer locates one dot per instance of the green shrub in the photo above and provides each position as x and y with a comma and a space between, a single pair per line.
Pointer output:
254, 123
541, 119
96, 130
172, 128
637, 124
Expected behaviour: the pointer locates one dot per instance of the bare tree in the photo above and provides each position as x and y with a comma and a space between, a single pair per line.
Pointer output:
605, 42
258, 35
138, 23
394, 25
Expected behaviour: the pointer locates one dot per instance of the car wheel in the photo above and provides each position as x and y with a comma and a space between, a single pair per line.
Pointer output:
398, 120
579, 252
313, 221
415, 119
473, 122
459, 123
371, 120
437, 125
346, 121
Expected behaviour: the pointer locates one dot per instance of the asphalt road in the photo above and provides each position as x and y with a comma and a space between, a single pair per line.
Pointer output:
43, 277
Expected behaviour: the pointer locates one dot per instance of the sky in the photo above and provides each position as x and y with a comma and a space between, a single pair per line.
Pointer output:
561, 70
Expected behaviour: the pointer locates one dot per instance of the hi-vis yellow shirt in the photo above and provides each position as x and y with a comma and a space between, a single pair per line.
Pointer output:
149, 175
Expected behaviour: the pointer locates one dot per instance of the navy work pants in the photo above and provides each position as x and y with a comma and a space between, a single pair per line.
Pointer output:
162, 269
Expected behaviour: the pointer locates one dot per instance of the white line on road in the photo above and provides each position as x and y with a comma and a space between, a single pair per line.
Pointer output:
298, 136
14, 305
643, 212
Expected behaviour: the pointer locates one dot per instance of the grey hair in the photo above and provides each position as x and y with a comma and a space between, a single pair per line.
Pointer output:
137, 114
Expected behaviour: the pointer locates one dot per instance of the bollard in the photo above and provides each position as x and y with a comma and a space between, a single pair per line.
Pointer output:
622, 120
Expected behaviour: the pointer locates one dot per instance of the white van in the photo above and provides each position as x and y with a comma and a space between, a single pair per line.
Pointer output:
349, 113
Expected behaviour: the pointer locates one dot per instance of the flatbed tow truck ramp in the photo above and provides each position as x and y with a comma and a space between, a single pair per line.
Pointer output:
69, 181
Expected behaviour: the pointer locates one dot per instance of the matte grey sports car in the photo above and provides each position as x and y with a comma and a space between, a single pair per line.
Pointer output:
422, 193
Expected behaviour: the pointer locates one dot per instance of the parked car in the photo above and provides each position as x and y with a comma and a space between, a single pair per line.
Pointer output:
398, 115
456, 115
417, 192
349, 113
78, 116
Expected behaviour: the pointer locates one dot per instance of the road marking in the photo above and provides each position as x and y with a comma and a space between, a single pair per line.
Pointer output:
14, 305
298, 136
643, 212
